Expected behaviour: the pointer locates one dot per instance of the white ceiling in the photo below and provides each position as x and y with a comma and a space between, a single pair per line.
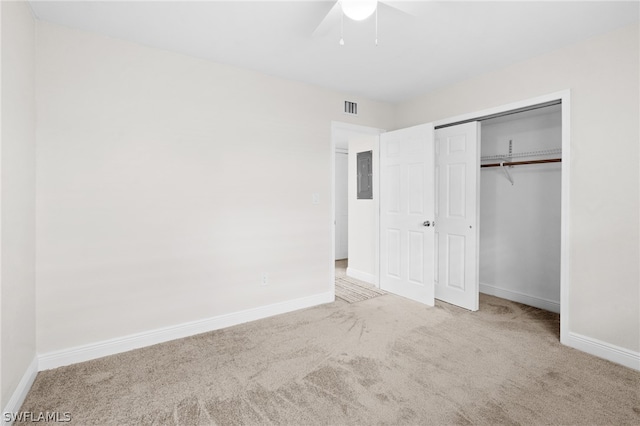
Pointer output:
441, 43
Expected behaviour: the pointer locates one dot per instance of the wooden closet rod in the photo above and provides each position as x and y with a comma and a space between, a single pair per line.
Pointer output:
518, 163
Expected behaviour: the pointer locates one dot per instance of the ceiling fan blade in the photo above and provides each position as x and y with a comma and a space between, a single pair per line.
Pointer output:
331, 19
406, 7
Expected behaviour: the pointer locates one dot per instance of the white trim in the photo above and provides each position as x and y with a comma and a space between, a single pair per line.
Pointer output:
362, 276
604, 350
332, 213
376, 220
472, 116
21, 391
565, 222
126, 343
515, 296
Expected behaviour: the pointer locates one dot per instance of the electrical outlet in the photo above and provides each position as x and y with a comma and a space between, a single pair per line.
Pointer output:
265, 278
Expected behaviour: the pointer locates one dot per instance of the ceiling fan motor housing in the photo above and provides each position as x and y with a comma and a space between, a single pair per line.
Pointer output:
358, 10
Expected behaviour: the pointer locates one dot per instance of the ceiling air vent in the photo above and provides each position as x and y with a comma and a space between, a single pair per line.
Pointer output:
350, 108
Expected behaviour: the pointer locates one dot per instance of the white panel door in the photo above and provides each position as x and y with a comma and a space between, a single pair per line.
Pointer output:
456, 232
342, 205
406, 204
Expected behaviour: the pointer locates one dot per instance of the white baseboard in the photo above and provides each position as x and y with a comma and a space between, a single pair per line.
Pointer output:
537, 302
134, 341
20, 393
362, 276
605, 350
586, 344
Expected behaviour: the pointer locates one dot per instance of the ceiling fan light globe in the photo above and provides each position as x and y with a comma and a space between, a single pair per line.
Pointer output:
358, 10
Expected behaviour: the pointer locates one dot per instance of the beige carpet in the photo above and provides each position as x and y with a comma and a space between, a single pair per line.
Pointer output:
386, 360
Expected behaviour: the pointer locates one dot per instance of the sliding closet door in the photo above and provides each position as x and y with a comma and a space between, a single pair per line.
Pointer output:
457, 237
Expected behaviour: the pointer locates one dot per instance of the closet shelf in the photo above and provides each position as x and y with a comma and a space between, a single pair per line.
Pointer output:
542, 153
519, 163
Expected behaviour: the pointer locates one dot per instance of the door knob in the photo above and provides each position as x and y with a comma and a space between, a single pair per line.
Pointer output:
426, 223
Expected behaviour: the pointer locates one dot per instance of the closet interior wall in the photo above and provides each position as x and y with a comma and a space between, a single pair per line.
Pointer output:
520, 222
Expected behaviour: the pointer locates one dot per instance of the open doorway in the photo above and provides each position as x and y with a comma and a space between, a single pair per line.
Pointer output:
354, 258
522, 226
520, 207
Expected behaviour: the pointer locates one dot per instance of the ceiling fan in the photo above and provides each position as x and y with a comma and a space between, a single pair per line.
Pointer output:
357, 10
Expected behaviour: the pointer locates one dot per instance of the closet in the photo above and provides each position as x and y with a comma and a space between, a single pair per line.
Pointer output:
520, 207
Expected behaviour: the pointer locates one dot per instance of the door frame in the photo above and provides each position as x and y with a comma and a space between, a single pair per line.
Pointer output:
564, 97
337, 152
338, 127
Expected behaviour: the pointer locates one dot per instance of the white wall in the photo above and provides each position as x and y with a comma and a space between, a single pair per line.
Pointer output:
362, 213
166, 186
604, 241
520, 223
17, 197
